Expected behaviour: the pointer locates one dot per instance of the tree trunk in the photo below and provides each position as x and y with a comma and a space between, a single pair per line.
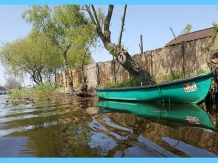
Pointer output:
212, 62
83, 75
37, 78
33, 77
141, 75
67, 75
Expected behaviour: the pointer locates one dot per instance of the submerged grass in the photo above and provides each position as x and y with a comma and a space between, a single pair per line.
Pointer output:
41, 91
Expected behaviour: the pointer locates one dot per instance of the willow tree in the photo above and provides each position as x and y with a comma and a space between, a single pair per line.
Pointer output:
61, 24
86, 39
141, 75
34, 55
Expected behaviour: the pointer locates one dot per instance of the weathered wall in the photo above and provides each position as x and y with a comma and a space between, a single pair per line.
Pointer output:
159, 62
171, 58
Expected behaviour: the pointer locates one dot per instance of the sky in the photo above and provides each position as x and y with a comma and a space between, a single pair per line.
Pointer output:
153, 22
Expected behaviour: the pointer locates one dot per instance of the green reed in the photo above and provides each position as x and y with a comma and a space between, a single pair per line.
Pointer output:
43, 90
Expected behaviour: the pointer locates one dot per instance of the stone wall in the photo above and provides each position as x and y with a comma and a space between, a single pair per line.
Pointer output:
186, 57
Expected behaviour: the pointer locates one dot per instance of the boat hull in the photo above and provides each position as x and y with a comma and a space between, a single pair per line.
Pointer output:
190, 90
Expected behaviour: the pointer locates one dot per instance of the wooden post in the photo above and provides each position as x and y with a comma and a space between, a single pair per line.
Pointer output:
183, 58
151, 65
141, 44
114, 64
97, 73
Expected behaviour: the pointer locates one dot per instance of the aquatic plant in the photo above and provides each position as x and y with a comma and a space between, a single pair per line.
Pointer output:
44, 90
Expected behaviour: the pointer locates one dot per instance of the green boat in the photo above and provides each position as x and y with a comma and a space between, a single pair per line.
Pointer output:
189, 90
173, 115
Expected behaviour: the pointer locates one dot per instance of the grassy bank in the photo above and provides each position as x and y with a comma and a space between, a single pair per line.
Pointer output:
41, 91
127, 83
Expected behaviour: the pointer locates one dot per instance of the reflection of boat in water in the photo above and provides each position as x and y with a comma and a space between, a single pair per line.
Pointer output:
173, 115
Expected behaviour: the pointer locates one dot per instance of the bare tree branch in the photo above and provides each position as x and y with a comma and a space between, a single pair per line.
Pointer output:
90, 14
121, 29
67, 48
173, 34
96, 18
107, 43
135, 69
107, 32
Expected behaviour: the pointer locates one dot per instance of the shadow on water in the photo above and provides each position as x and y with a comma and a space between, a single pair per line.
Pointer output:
87, 128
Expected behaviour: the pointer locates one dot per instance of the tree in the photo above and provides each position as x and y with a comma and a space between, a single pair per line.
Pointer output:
187, 29
61, 25
11, 83
86, 39
141, 75
34, 55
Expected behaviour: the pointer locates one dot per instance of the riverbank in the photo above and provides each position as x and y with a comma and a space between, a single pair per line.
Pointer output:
55, 96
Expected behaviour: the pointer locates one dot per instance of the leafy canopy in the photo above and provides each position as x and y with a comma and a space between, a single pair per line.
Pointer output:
34, 54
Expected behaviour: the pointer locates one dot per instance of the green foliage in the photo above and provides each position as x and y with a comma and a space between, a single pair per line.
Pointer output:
77, 57
175, 75
179, 75
56, 30
62, 24
187, 29
44, 89
67, 28
207, 48
215, 25
18, 94
34, 54
80, 54
127, 83
111, 50
201, 72
41, 91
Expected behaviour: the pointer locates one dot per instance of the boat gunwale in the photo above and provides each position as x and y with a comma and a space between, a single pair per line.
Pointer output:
209, 74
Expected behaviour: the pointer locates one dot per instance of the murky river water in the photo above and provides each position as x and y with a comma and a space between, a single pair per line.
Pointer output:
83, 128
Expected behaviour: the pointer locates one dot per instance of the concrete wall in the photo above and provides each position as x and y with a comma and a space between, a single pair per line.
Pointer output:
159, 62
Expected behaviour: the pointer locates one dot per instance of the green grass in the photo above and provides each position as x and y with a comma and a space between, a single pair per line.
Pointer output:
44, 90
127, 83
176, 75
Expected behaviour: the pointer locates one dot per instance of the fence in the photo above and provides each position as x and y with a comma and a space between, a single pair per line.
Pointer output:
185, 58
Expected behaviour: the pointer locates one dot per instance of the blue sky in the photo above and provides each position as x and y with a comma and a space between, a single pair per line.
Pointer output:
153, 22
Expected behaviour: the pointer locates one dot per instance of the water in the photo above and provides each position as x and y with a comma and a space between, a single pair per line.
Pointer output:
79, 128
